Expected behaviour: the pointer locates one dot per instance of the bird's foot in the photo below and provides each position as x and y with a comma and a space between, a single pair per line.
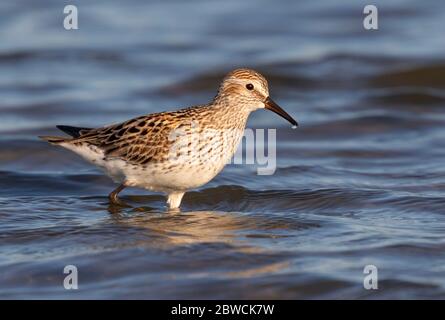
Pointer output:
115, 201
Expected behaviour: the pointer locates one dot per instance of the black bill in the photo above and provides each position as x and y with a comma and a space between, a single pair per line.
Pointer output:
271, 105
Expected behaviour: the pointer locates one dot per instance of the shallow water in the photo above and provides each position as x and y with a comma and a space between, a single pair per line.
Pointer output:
360, 182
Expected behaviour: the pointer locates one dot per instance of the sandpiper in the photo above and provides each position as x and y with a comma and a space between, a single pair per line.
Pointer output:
173, 152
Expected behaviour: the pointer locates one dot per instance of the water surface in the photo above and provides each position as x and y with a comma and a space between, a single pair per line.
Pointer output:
360, 182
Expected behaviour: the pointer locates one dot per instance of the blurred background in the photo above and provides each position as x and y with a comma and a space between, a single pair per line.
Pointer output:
361, 181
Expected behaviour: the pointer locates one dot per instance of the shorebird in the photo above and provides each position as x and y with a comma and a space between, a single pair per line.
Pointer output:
174, 151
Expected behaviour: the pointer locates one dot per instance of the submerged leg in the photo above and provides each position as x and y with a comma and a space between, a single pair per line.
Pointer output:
114, 199
174, 199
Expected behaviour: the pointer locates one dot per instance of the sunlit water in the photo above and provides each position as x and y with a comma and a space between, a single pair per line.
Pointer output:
360, 182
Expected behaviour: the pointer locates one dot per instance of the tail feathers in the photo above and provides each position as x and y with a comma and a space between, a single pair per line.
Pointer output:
75, 132
54, 140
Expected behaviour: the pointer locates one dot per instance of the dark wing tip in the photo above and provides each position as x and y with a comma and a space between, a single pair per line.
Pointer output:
75, 132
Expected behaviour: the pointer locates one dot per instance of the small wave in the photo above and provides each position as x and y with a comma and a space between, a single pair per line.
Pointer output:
209, 82
431, 75
236, 198
410, 98
25, 56
367, 125
22, 184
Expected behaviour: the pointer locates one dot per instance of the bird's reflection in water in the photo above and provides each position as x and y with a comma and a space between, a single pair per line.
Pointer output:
189, 227
180, 228
212, 235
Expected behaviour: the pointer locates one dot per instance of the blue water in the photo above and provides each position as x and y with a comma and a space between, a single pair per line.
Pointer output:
360, 182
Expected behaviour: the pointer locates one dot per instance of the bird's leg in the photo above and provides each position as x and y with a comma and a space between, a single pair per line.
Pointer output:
174, 200
114, 199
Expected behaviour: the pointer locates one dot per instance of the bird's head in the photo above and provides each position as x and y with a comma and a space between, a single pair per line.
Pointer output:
248, 89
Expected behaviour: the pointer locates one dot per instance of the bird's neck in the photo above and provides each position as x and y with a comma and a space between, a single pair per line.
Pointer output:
230, 113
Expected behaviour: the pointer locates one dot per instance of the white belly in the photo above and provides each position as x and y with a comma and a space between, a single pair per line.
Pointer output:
158, 179
183, 173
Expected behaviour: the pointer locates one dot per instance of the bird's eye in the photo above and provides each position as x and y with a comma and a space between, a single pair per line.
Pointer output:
249, 86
